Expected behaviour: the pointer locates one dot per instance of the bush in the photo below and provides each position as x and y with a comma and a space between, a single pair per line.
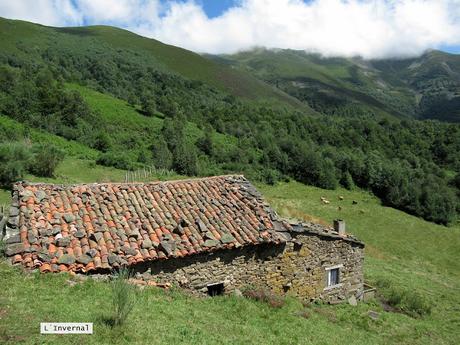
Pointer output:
263, 295
409, 302
45, 160
162, 157
117, 160
102, 142
271, 176
205, 143
347, 181
123, 297
148, 105
15, 158
185, 160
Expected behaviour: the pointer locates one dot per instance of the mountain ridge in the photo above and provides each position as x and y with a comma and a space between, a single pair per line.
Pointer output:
16, 34
425, 87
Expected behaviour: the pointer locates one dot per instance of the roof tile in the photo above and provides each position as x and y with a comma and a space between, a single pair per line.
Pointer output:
92, 226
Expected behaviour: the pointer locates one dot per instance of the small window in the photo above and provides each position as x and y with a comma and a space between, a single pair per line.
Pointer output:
216, 289
333, 277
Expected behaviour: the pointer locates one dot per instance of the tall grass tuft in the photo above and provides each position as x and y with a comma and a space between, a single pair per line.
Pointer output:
263, 295
408, 301
123, 297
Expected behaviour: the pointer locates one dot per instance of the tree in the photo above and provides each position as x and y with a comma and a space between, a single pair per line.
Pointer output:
148, 106
185, 160
205, 143
347, 181
173, 131
162, 157
438, 203
15, 159
102, 142
45, 160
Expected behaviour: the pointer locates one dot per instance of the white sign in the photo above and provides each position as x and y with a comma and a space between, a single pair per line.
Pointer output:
66, 327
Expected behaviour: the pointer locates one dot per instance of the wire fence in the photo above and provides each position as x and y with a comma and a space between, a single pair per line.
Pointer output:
3, 210
147, 173
3, 218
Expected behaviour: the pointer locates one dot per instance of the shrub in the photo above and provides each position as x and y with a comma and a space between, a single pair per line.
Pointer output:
45, 160
123, 297
148, 105
347, 181
15, 159
185, 160
118, 160
162, 157
205, 143
263, 295
271, 176
102, 142
409, 302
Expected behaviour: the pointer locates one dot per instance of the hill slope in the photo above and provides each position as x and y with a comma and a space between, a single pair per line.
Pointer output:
424, 87
23, 39
429, 270
126, 97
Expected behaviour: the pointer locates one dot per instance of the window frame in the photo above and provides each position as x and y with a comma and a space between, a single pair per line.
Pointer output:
328, 276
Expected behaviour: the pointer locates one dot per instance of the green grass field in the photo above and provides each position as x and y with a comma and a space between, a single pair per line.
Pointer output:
409, 253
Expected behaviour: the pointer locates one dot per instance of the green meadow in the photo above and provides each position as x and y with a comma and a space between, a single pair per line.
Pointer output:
403, 254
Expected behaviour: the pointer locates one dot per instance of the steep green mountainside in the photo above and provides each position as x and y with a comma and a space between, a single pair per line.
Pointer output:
103, 46
424, 87
435, 80
133, 103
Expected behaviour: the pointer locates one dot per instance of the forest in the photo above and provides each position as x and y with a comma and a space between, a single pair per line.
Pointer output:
409, 164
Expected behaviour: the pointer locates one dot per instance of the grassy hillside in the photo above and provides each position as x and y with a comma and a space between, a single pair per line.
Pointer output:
409, 254
24, 39
128, 122
190, 65
14, 130
424, 87
131, 102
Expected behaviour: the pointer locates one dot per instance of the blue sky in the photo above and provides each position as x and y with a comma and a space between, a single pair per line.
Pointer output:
454, 49
367, 28
214, 8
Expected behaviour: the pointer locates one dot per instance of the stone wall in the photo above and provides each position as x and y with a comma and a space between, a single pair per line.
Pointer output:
297, 268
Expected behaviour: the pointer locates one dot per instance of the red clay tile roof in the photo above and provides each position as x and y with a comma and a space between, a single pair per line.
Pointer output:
88, 227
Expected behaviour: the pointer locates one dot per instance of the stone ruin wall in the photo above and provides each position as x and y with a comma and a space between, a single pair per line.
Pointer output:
296, 268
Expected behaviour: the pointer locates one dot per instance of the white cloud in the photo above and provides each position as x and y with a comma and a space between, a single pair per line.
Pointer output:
47, 12
125, 12
369, 28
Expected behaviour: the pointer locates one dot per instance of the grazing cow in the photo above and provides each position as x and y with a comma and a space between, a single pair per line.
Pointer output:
341, 198
355, 202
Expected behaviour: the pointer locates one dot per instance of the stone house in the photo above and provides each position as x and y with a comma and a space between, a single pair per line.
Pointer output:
212, 235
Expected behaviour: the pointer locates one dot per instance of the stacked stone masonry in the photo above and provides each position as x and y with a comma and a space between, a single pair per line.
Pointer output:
296, 268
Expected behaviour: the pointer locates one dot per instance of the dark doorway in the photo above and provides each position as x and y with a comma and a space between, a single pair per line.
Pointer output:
216, 289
